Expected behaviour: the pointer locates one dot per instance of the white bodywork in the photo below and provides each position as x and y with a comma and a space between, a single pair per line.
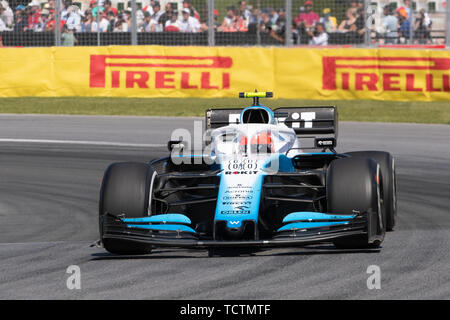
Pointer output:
227, 140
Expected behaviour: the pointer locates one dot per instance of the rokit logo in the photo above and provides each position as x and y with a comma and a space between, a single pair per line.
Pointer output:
242, 172
159, 72
386, 73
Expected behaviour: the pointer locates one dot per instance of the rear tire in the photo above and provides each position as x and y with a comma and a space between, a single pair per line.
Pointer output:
125, 190
387, 166
352, 186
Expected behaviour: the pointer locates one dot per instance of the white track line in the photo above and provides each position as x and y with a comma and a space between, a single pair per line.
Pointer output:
82, 142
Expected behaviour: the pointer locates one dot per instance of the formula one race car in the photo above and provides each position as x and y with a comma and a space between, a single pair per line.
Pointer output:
264, 178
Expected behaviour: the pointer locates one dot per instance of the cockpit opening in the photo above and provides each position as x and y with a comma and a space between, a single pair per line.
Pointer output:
255, 115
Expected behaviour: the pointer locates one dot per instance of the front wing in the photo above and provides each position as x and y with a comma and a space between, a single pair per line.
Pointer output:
171, 234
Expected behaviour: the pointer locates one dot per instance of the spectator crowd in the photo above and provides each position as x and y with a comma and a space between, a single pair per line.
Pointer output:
307, 27
400, 25
100, 16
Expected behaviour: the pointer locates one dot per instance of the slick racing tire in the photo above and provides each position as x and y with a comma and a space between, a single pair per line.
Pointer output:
387, 166
353, 184
125, 190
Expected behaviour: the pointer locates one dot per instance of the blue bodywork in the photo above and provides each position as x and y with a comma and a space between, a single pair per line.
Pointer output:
239, 194
162, 222
307, 220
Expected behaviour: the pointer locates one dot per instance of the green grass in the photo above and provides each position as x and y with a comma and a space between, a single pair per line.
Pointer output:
356, 110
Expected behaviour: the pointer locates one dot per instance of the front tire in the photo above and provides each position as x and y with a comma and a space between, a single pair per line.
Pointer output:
353, 184
387, 166
125, 190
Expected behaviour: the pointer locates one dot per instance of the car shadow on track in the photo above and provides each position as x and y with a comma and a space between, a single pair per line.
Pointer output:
202, 254
319, 250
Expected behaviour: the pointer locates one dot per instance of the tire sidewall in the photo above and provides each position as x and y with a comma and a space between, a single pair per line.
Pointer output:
354, 184
125, 189
388, 173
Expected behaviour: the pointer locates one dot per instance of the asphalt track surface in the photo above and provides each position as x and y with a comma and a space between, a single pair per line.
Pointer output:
50, 172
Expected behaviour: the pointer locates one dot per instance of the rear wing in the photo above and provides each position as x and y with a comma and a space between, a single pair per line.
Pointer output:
318, 123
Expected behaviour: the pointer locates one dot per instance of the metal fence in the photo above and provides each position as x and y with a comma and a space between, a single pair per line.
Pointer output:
224, 22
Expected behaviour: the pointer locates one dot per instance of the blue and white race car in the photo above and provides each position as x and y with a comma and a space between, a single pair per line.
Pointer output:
264, 178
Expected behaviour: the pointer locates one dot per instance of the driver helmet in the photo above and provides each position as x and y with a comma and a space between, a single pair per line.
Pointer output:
262, 143
243, 144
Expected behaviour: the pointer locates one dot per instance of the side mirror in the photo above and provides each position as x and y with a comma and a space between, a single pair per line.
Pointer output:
176, 144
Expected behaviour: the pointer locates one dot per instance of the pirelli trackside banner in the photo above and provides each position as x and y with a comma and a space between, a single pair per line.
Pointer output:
155, 71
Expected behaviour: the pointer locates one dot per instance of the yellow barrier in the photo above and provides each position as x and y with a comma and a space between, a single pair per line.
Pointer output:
292, 73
